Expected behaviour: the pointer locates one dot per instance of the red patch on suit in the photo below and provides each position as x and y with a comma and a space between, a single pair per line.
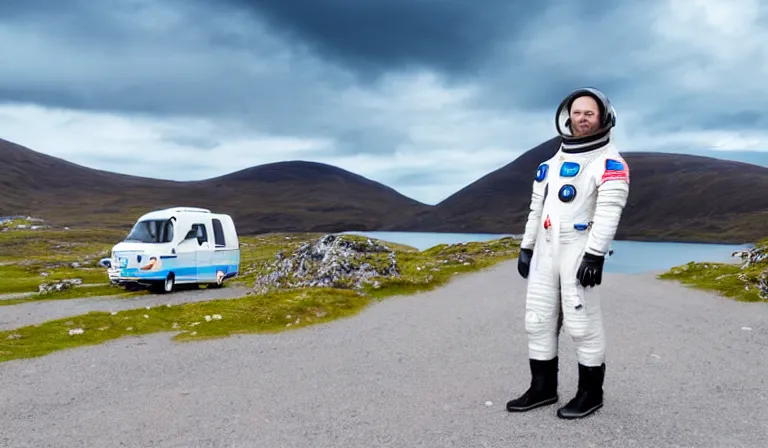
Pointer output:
615, 170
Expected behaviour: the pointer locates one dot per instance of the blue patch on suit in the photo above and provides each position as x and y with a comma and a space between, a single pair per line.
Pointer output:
541, 172
567, 193
569, 169
613, 165
580, 226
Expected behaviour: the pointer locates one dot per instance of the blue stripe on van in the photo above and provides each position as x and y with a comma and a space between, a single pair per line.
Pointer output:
184, 267
182, 273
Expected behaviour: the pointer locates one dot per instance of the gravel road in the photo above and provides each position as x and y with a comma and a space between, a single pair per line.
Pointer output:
685, 369
15, 316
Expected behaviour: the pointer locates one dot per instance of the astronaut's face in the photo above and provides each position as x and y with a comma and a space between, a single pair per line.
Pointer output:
585, 116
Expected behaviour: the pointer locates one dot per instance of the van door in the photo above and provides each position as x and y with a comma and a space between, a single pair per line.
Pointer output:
186, 256
205, 268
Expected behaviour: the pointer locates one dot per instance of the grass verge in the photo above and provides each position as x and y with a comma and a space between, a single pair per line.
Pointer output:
275, 311
269, 313
29, 258
738, 282
80, 292
426, 270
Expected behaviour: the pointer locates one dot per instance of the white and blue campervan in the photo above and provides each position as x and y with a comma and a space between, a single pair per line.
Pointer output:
180, 245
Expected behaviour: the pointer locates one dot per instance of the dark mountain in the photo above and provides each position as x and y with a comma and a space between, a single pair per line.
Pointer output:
672, 197
284, 196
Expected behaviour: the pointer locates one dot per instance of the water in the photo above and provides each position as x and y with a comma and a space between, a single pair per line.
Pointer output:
425, 240
636, 256
628, 256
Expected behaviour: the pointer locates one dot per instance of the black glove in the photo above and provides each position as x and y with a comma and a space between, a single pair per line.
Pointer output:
524, 262
590, 272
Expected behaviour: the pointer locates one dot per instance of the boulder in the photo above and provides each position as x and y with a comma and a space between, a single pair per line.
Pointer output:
333, 261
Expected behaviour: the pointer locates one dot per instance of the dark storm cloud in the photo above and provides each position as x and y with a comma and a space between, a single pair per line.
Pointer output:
382, 35
167, 57
485, 41
131, 57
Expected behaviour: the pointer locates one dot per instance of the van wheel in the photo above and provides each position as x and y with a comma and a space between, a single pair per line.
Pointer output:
169, 283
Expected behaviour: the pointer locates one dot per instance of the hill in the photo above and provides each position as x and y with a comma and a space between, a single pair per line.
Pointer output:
673, 197
284, 196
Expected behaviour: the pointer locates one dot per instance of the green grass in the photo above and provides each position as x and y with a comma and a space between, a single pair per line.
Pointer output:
25, 255
275, 311
729, 280
20, 279
426, 270
80, 292
264, 314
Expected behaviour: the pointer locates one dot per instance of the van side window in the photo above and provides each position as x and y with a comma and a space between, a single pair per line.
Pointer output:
218, 233
202, 232
168, 233
198, 231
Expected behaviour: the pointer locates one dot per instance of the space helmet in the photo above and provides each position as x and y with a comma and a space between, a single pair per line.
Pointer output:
563, 120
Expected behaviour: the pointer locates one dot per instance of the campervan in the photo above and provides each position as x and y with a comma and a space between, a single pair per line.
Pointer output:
174, 246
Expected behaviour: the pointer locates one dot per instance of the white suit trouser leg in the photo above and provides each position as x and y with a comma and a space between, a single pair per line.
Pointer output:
552, 283
542, 304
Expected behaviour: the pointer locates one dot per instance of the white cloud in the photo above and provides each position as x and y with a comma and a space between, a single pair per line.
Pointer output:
717, 49
144, 146
701, 140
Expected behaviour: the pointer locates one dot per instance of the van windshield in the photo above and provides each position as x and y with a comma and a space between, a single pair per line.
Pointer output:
152, 231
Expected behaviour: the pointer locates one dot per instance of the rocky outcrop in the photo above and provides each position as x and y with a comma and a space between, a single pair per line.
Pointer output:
335, 261
757, 256
60, 285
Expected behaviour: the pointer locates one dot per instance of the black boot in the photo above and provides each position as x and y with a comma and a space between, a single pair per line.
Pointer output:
589, 396
543, 389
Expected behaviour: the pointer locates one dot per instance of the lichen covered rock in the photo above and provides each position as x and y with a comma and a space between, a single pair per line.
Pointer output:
336, 261
756, 257
60, 285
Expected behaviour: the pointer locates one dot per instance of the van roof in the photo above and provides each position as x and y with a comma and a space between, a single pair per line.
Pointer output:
168, 212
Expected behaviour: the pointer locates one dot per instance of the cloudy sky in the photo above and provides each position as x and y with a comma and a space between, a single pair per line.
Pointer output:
423, 95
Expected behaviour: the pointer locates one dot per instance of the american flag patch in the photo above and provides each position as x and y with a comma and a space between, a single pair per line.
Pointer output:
615, 170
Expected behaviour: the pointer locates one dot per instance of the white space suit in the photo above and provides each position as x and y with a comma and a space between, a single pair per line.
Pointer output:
577, 201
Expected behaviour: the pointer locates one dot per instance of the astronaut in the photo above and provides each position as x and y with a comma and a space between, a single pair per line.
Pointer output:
578, 197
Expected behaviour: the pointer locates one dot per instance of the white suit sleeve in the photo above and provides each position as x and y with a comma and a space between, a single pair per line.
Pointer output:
612, 193
533, 223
